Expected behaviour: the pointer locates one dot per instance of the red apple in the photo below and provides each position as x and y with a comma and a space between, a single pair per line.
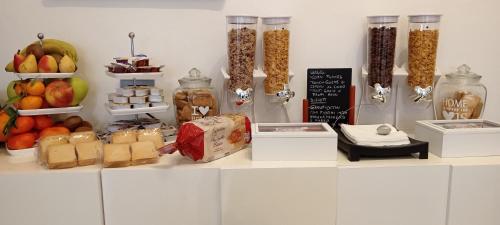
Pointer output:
59, 94
18, 59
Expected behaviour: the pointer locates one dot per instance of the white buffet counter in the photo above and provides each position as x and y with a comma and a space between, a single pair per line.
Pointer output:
33, 195
236, 190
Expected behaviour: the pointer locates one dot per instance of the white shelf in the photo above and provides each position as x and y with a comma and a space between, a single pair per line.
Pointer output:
137, 76
44, 75
124, 112
50, 111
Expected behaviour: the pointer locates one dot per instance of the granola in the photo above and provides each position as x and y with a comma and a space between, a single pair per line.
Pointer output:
422, 50
241, 52
276, 46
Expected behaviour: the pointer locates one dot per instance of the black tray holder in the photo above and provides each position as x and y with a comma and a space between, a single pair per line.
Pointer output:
355, 152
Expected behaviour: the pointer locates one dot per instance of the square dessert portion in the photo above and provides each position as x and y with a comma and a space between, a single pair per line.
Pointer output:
82, 137
61, 156
124, 137
87, 152
152, 135
116, 155
143, 152
46, 142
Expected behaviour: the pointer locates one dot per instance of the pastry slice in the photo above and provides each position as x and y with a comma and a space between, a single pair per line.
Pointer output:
153, 135
144, 152
124, 137
61, 156
87, 152
48, 141
116, 155
82, 137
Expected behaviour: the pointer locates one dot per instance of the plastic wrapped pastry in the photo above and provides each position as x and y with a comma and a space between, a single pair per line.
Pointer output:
212, 138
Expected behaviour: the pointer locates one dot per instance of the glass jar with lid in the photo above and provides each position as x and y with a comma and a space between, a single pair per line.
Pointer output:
381, 54
195, 98
423, 39
460, 96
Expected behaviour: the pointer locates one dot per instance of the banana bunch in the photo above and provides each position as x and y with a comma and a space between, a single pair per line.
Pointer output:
54, 46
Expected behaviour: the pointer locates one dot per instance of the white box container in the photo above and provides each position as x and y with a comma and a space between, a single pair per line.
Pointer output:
293, 142
460, 138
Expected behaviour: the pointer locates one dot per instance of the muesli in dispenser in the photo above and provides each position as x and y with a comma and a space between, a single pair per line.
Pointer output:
276, 42
422, 52
381, 50
241, 41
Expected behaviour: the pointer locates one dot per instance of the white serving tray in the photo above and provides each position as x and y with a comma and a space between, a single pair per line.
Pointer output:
447, 141
137, 76
293, 142
124, 112
27, 152
50, 111
43, 75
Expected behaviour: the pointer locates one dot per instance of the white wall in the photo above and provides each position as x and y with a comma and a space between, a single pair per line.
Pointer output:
186, 33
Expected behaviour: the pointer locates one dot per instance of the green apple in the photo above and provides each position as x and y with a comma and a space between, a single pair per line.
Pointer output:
11, 92
80, 89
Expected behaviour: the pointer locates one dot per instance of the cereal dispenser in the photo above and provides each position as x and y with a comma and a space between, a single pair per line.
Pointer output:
241, 41
276, 42
381, 46
460, 96
195, 98
422, 51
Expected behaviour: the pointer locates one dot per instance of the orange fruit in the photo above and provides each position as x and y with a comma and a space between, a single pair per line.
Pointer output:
31, 102
35, 87
53, 131
21, 141
42, 122
7, 118
20, 88
36, 134
23, 124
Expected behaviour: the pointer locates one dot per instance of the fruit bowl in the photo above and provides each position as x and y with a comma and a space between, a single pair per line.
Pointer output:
50, 111
43, 75
27, 152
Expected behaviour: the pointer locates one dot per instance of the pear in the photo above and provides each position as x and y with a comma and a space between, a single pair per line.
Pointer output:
11, 91
66, 65
10, 67
29, 65
18, 59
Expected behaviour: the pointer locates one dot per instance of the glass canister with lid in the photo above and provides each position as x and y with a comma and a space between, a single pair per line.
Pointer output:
276, 43
195, 98
422, 52
382, 31
460, 96
241, 41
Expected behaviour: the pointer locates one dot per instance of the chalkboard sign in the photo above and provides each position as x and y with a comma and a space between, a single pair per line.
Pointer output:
328, 95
